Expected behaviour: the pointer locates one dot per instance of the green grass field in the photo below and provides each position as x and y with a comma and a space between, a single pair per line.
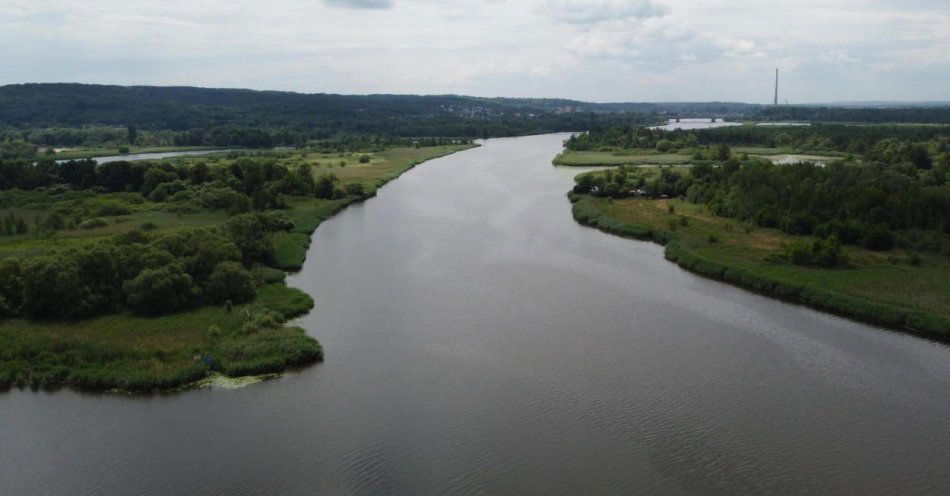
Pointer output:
882, 287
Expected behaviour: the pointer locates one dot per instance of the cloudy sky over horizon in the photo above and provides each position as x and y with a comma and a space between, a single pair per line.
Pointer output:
595, 50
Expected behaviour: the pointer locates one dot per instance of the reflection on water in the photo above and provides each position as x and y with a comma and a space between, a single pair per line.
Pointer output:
796, 159
687, 124
131, 157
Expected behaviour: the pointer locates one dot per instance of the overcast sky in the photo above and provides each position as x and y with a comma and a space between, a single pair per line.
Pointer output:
595, 50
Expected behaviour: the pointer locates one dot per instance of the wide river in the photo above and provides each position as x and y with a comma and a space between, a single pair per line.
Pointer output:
479, 341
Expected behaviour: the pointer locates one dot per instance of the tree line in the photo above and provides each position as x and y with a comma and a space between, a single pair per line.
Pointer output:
935, 114
144, 272
818, 137
224, 117
899, 193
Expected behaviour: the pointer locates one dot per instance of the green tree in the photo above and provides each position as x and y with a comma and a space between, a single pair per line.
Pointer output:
131, 134
200, 173
250, 235
324, 186
200, 250
723, 152
162, 290
11, 288
52, 287
153, 177
230, 282
356, 189
664, 146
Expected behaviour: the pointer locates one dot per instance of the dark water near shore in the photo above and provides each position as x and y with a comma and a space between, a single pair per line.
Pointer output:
480, 341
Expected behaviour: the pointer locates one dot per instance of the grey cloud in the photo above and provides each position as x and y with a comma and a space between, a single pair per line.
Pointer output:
360, 4
595, 11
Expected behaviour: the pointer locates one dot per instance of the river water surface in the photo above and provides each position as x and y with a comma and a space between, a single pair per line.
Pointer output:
479, 341
132, 157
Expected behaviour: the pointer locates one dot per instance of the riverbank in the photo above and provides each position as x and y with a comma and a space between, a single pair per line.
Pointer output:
126, 352
130, 353
888, 289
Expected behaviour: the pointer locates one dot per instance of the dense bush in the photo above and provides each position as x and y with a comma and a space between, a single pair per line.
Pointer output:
148, 273
230, 282
92, 223
820, 253
161, 290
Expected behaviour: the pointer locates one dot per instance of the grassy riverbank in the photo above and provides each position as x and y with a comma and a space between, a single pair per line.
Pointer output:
129, 351
897, 289
135, 353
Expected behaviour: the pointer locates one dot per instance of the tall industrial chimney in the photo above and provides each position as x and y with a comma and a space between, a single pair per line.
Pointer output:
775, 102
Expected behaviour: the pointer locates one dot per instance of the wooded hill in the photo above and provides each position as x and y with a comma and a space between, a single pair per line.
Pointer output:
30, 106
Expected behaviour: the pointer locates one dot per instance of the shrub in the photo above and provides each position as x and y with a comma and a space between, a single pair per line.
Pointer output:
879, 238
112, 209
93, 223
251, 237
213, 332
767, 216
799, 223
11, 288
356, 189
161, 290
364, 159
325, 185
267, 275
270, 351
821, 253
230, 281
